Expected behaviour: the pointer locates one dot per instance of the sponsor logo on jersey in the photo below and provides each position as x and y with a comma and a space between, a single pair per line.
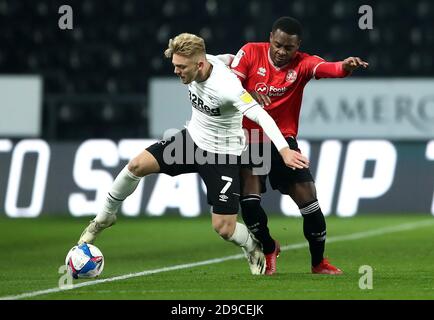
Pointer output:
246, 97
277, 92
198, 104
261, 71
271, 91
291, 76
261, 88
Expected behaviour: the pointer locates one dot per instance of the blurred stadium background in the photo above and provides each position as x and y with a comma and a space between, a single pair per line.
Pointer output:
107, 79
76, 104
97, 75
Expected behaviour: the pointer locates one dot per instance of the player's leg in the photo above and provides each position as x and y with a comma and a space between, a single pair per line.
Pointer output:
229, 229
151, 160
223, 192
255, 217
314, 225
123, 186
299, 184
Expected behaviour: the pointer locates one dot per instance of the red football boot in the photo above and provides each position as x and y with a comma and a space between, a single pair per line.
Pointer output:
326, 268
271, 260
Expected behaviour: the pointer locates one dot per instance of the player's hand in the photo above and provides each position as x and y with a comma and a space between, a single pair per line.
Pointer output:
262, 99
352, 63
294, 159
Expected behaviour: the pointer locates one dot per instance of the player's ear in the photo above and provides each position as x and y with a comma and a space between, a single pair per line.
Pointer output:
271, 36
297, 41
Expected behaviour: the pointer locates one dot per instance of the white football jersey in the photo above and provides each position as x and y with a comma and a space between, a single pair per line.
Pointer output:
218, 104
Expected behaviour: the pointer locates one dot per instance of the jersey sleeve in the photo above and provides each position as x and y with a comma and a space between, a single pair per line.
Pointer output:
226, 58
261, 117
239, 97
319, 68
241, 63
311, 65
330, 70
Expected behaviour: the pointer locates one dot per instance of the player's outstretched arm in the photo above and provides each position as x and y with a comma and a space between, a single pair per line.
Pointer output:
338, 69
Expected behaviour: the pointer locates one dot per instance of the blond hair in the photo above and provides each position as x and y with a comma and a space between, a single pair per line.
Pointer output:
185, 44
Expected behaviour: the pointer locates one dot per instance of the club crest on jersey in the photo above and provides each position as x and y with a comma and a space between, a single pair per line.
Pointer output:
237, 58
261, 88
213, 100
261, 71
291, 76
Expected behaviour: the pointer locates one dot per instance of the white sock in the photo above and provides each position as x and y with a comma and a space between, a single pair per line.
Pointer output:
242, 237
124, 185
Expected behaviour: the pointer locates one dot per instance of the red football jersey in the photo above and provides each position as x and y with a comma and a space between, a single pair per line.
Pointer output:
283, 85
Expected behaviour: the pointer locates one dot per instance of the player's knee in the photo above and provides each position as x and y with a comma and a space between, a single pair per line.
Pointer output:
134, 166
252, 212
143, 165
303, 194
225, 228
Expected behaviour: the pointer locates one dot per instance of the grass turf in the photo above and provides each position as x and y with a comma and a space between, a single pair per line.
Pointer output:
32, 250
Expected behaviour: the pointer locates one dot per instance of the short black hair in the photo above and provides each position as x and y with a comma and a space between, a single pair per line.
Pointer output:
288, 25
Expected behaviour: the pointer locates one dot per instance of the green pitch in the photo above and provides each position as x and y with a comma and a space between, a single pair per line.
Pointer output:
178, 254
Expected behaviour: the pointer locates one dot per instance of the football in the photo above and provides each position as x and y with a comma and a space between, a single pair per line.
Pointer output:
84, 261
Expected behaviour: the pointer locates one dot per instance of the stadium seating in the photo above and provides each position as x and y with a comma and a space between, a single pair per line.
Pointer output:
96, 75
